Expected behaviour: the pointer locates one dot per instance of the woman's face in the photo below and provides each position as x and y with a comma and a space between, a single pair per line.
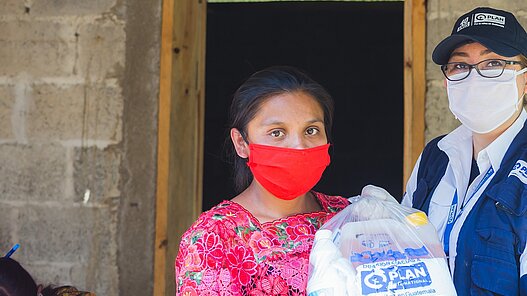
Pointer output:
473, 53
291, 120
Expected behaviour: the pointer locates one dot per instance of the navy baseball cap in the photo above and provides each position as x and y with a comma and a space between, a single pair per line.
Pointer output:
497, 30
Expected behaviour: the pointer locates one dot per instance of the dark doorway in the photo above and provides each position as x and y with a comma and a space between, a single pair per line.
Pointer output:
354, 49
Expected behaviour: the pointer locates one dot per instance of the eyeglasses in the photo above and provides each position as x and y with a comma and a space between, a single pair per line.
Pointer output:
487, 68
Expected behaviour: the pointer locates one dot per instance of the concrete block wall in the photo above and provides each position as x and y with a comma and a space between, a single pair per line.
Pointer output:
441, 15
75, 76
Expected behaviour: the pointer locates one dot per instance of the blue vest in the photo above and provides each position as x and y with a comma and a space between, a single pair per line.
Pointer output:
494, 234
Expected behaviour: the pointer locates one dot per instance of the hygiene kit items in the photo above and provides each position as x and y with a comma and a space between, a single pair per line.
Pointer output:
377, 247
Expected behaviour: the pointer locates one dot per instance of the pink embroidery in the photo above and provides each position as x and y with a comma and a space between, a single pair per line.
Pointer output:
211, 248
228, 252
298, 231
189, 291
264, 247
295, 273
193, 258
209, 280
242, 264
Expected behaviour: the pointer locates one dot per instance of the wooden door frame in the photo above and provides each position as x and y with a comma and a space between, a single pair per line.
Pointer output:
181, 120
414, 83
180, 132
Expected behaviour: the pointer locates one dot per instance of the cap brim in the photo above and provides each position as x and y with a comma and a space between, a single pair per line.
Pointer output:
443, 50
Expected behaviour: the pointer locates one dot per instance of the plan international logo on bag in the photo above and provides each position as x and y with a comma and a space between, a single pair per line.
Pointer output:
395, 278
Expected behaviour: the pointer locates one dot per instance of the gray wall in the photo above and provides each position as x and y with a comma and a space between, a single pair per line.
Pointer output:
78, 117
441, 15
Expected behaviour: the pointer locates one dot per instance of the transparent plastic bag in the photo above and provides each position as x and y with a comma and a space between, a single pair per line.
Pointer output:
376, 246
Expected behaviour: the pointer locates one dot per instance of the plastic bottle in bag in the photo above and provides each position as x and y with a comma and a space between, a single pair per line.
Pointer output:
329, 270
426, 233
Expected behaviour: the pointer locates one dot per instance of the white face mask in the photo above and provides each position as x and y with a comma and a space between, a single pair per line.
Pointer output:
483, 104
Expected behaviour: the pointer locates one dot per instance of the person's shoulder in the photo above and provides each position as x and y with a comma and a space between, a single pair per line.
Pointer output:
434, 141
431, 148
332, 203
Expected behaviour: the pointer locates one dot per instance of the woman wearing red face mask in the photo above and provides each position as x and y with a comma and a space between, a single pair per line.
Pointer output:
258, 243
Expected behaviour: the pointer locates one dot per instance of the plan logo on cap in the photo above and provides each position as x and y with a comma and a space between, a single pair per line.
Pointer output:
489, 19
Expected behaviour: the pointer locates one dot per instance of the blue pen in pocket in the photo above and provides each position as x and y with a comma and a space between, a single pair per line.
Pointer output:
13, 249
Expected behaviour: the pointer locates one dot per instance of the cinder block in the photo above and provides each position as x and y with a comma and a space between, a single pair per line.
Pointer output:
39, 48
513, 6
32, 172
78, 245
433, 71
69, 234
106, 280
7, 101
70, 7
12, 7
102, 49
62, 47
50, 273
97, 170
76, 112
437, 30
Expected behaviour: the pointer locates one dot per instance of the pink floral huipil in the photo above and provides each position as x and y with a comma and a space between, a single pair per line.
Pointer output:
229, 252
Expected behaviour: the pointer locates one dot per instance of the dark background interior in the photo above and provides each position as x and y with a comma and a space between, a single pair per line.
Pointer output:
354, 49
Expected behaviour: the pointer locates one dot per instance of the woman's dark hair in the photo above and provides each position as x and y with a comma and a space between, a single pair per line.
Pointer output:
15, 280
254, 91
63, 291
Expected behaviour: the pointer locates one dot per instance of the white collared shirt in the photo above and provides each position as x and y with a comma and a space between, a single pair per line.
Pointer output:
458, 147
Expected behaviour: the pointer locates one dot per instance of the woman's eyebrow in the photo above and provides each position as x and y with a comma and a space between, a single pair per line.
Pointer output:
464, 54
273, 121
315, 120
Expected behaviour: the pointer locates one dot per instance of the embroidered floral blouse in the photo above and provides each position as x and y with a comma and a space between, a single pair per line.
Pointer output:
227, 251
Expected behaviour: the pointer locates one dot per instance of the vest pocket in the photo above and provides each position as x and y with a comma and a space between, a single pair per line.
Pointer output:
499, 242
491, 276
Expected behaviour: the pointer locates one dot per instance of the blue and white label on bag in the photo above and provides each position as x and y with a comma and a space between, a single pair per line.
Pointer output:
401, 277
384, 255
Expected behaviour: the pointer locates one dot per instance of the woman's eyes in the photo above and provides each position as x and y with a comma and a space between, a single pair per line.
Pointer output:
494, 63
277, 133
460, 66
312, 131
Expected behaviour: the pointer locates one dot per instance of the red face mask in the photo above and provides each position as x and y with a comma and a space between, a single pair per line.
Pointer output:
285, 172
